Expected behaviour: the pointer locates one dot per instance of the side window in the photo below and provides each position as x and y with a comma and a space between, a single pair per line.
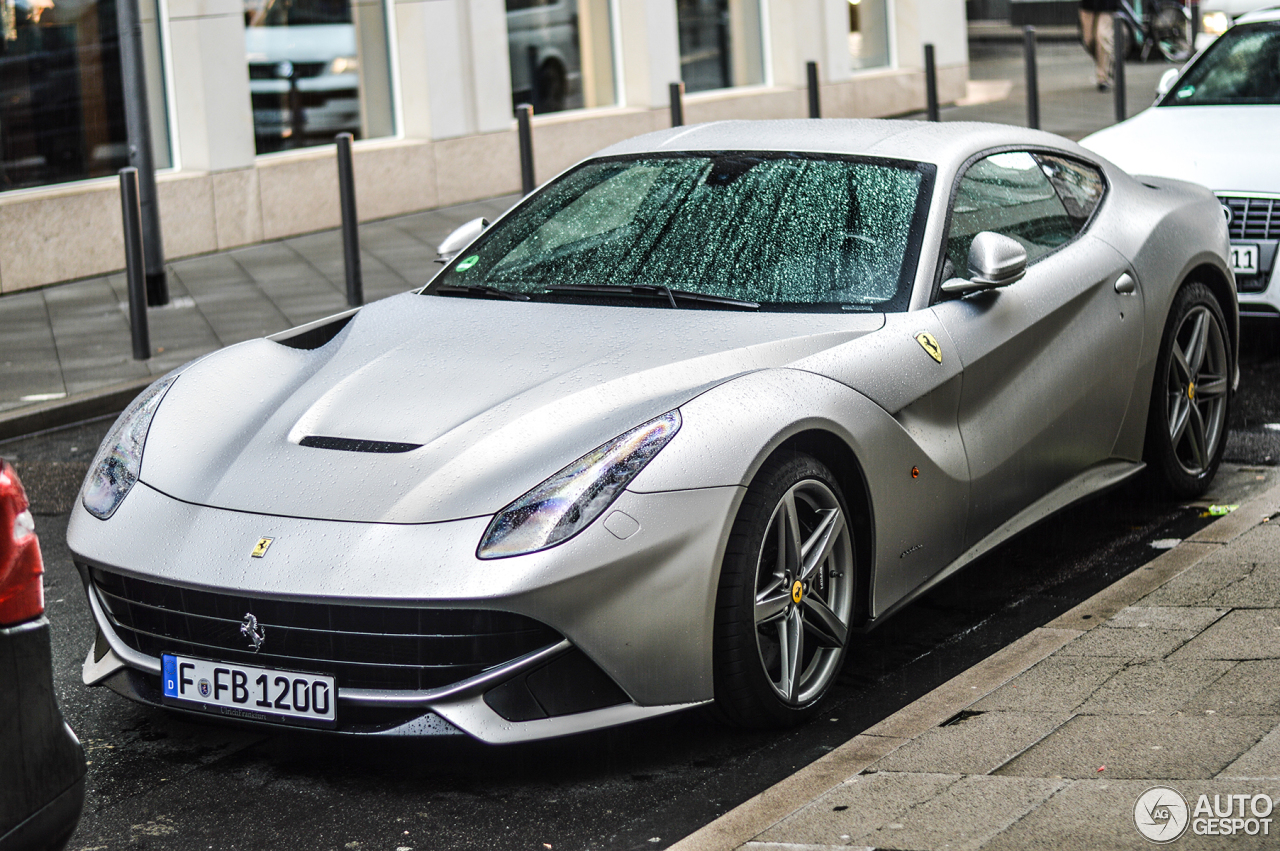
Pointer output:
1009, 194
1079, 186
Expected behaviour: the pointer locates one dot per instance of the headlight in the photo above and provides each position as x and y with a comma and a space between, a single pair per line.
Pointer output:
344, 65
115, 468
1215, 23
565, 504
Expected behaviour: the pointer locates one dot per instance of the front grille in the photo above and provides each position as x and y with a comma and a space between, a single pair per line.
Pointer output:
1253, 218
1251, 283
376, 647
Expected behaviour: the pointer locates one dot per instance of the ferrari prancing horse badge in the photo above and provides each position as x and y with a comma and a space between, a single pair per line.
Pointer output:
261, 548
930, 345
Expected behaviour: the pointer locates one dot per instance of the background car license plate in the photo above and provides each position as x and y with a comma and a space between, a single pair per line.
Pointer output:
1244, 259
246, 691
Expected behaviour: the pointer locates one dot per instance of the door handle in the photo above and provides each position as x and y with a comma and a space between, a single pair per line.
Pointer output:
1126, 285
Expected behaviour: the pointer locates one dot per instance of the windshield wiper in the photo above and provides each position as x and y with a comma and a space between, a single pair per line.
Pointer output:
479, 292
654, 291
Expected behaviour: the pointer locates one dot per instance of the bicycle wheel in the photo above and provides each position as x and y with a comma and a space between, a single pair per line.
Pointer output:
1169, 28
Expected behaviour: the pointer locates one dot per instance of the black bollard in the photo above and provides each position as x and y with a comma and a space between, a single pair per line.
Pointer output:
1033, 83
524, 122
350, 222
134, 263
930, 84
133, 80
677, 104
1195, 24
1119, 46
531, 57
815, 98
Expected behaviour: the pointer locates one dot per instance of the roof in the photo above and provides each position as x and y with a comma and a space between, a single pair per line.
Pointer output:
942, 143
1271, 13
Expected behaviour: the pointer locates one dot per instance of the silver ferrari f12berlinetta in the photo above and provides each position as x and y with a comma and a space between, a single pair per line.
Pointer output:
663, 435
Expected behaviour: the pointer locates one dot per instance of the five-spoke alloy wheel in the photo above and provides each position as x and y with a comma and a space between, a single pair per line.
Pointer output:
1187, 427
786, 596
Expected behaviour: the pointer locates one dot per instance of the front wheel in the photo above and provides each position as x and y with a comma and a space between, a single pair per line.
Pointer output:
1169, 29
1187, 422
785, 597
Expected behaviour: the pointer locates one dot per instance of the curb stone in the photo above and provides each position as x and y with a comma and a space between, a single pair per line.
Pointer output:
751, 818
89, 405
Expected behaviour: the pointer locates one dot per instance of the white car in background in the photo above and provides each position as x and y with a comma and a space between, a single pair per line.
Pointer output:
1215, 122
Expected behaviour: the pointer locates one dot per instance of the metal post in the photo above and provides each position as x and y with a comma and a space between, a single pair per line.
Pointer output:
1119, 46
138, 123
1195, 24
524, 121
297, 114
133, 263
930, 83
677, 104
815, 100
1033, 83
531, 59
350, 223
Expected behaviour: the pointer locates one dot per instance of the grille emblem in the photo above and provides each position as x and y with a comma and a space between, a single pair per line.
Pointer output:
253, 631
260, 548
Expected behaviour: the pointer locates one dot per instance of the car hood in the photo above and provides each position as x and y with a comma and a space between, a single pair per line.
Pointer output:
497, 395
1226, 148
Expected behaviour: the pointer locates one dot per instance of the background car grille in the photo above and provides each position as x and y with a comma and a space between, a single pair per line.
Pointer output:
1253, 218
378, 647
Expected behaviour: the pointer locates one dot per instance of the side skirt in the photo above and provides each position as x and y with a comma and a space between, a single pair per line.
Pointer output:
1091, 482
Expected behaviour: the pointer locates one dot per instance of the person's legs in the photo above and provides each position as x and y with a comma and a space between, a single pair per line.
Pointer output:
1088, 32
1104, 55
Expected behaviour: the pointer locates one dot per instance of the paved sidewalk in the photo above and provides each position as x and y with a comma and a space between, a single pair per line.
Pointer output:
1170, 677
72, 340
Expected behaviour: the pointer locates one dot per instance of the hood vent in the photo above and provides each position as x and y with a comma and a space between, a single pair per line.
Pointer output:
346, 444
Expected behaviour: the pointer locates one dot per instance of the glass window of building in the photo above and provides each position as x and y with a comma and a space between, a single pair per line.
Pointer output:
61, 97
868, 33
561, 54
720, 44
317, 68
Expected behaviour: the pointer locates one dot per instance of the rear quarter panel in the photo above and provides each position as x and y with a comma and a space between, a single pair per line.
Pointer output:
1171, 231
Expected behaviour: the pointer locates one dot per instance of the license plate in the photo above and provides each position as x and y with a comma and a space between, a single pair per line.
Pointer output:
1244, 259
250, 692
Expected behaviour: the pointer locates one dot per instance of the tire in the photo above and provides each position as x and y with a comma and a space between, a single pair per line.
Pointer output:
778, 611
1169, 30
1191, 396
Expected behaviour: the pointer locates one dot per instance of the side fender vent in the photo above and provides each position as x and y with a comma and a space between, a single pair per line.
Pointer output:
346, 444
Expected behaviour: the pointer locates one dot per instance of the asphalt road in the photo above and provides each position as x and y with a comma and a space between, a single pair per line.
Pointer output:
158, 781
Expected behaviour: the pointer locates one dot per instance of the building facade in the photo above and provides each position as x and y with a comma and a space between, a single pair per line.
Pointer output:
245, 98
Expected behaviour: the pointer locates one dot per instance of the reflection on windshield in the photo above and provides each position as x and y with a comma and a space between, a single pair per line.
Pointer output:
1241, 67
779, 229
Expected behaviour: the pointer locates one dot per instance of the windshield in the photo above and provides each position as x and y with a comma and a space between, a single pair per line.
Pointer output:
787, 231
1241, 67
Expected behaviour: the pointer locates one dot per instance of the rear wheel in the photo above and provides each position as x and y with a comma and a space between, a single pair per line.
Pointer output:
1187, 423
785, 597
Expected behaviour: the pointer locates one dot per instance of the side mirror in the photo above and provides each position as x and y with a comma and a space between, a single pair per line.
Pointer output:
995, 260
463, 236
1166, 81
